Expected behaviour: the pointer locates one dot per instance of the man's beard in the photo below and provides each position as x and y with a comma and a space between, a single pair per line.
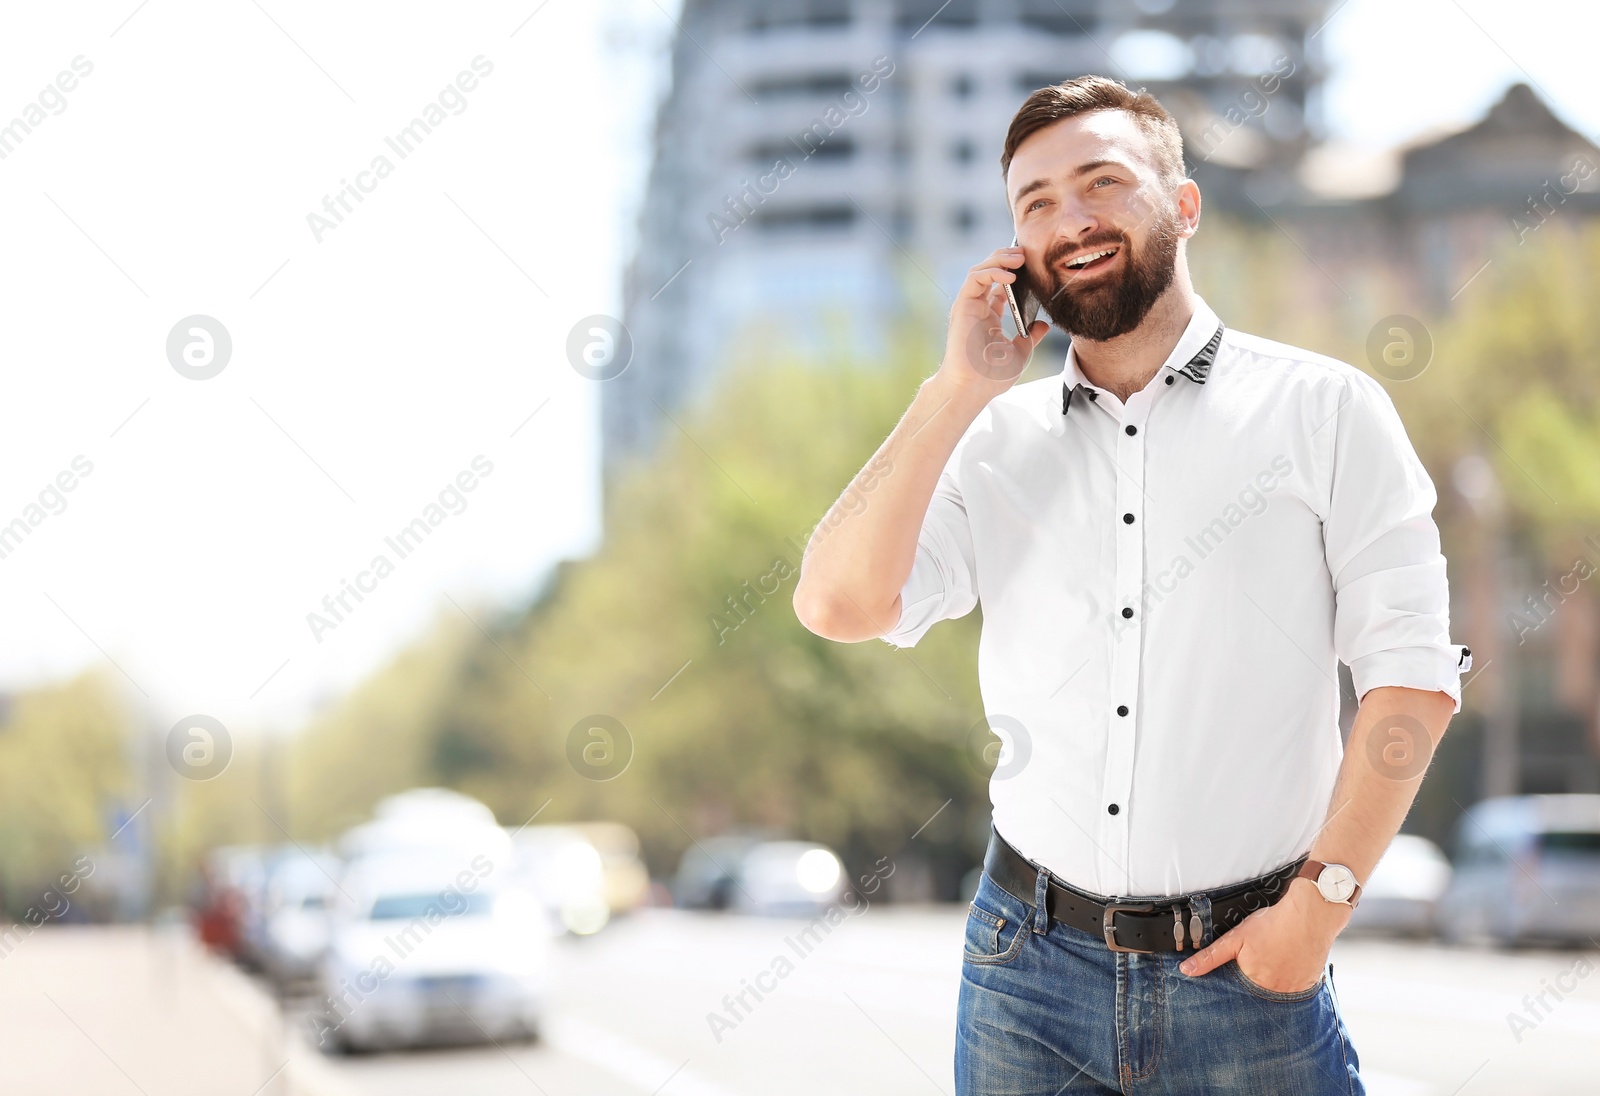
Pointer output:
1110, 306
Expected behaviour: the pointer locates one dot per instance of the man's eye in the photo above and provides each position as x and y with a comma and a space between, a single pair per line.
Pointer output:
1035, 204
1103, 179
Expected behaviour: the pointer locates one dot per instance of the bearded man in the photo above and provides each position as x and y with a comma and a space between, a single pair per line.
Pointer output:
1175, 540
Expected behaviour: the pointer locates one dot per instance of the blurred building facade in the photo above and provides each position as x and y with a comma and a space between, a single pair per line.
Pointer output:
820, 163
1433, 213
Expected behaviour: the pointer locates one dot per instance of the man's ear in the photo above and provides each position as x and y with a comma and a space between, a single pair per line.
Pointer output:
1187, 198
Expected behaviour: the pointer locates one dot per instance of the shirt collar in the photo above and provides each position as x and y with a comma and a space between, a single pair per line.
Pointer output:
1192, 357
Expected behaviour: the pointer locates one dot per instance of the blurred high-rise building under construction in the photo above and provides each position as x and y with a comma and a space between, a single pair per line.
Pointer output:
812, 156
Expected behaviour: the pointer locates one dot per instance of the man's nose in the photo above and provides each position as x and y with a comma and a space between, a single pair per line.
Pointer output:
1075, 222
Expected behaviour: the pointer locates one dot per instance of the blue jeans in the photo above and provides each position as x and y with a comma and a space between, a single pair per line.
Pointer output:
1048, 1010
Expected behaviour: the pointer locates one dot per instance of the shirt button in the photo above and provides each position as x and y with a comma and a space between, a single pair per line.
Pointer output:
1122, 709
1169, 378
1132, 430
1127, 612
1093, 395
1113, 809
1127, 519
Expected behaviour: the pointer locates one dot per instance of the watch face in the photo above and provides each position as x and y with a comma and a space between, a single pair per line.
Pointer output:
1337, 883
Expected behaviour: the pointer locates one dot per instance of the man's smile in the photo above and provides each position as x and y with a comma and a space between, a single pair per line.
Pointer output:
1092, 260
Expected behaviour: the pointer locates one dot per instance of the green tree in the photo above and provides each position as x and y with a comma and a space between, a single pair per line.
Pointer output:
63, 768
681, 629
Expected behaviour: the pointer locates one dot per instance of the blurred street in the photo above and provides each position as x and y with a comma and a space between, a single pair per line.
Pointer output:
130, 1009
870, 1008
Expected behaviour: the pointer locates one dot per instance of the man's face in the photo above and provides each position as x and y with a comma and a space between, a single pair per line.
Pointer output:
1100, 231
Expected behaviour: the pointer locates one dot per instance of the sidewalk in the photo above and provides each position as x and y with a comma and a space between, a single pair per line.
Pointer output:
106, 1011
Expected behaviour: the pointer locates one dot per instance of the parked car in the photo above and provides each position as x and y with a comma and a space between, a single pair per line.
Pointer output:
427, 947
429, 818
230, 884
627, 882
789, 878
1527, 869
296, 909
709, 871
749, 874
1403, 891
567, 873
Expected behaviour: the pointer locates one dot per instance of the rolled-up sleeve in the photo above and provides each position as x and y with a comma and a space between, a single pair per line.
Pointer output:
943, 580
1391, 595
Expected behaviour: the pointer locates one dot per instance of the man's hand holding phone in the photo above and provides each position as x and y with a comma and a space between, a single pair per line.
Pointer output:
978, 358
859, 557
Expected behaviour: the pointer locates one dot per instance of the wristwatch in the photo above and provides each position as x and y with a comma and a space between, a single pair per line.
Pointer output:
1336, 882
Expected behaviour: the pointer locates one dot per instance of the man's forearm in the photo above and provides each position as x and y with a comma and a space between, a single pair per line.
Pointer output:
861, 553
1391, 742
1285, 945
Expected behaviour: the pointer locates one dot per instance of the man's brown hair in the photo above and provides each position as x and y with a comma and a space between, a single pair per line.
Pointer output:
1087, 93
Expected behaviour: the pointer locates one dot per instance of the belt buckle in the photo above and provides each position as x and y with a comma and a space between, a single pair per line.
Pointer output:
1108, 925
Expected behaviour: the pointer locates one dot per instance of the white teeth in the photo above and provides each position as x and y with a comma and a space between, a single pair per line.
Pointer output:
1086, 259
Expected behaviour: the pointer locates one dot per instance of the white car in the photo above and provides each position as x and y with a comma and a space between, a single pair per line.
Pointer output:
788, 878
429, 818
429, 947
296, 909
627, 881
567, 873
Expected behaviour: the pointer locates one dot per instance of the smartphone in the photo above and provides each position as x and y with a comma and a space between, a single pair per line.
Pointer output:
1030, 301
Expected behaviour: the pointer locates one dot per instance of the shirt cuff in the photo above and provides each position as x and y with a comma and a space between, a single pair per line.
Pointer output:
1430, 669
920, 601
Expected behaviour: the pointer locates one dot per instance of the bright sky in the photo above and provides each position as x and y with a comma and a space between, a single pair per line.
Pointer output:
370, 368
1401, 69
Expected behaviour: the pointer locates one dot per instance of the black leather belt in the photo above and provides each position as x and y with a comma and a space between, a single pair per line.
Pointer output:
1134, 924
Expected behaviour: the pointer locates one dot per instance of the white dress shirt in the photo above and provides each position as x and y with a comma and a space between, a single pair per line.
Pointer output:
1168, 586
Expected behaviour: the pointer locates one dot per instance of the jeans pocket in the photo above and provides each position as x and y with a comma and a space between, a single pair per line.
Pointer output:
997, 926
1232, 967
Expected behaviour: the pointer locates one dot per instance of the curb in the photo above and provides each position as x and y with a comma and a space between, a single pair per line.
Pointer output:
303, 1070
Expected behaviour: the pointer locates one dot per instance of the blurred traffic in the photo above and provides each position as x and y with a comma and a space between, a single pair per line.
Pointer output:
433, 923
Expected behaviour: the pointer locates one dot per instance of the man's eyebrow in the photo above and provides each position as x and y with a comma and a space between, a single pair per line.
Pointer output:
1037, 184
1077, 172
1095, 165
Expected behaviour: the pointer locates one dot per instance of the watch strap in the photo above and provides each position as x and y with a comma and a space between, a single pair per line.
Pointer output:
1312, 869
